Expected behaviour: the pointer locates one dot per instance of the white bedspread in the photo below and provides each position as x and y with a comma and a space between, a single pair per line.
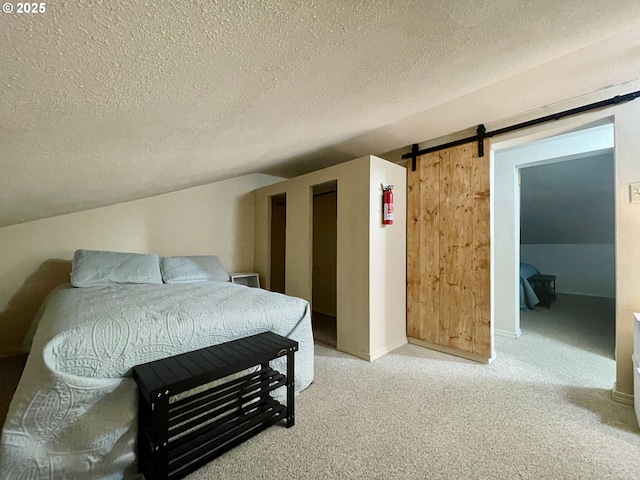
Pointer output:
74, 412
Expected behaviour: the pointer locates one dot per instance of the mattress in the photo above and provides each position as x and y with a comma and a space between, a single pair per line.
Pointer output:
74, 412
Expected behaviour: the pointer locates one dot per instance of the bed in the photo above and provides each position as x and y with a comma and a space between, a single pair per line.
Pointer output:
74, 412
528, 298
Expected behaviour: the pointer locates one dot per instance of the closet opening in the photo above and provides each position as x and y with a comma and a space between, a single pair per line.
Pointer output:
278, 242
324, 265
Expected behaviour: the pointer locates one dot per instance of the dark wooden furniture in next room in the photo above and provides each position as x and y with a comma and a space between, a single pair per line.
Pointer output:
545, 288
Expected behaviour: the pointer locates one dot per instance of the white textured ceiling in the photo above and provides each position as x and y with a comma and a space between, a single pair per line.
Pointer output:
103, 101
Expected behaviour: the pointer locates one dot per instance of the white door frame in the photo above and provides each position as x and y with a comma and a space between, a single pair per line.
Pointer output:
560, 141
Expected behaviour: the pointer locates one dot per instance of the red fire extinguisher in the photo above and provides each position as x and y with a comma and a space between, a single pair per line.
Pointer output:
387, 204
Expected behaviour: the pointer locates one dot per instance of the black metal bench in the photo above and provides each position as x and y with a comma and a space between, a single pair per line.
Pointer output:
179, 436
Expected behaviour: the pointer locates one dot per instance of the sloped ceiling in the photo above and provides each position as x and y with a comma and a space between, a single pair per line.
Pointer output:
104, 101
568, 202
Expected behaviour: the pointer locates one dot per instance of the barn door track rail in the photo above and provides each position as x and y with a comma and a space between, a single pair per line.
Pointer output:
481, 131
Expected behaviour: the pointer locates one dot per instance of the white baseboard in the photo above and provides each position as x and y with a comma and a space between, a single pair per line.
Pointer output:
386, 349
356, 353
371, 356
506, 333
621, 397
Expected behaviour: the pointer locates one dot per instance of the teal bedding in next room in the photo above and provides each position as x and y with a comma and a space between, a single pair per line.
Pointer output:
528, 298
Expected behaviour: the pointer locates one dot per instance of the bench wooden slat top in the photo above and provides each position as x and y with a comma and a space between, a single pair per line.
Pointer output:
172, 375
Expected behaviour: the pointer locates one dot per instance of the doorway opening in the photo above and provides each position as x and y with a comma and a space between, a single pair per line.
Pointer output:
555, 198
324, 263
567, 230
278, 242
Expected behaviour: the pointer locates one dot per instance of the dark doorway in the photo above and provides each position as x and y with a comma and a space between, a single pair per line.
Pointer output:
278, 242
325, 215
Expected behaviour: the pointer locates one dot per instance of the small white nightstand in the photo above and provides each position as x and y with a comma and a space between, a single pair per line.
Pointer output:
248, 279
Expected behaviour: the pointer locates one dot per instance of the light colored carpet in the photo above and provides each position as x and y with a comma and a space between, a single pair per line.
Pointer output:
584, 322
541, 410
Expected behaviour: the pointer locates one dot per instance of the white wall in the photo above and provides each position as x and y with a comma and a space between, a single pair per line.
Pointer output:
35, 257
579, 269
568, 202
371, 259
352, 307
387, 260
627, 126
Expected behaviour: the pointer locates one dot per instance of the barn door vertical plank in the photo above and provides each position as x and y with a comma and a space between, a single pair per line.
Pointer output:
482, 338
430, 253
460, 232
447, 297
414, 245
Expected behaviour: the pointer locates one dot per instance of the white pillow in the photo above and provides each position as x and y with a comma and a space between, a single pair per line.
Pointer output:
203, 268
94, 267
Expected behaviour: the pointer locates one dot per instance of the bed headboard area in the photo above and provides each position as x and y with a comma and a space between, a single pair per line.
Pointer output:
94, 267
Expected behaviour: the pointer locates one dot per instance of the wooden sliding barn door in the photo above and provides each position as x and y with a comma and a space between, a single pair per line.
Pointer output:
448, 251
